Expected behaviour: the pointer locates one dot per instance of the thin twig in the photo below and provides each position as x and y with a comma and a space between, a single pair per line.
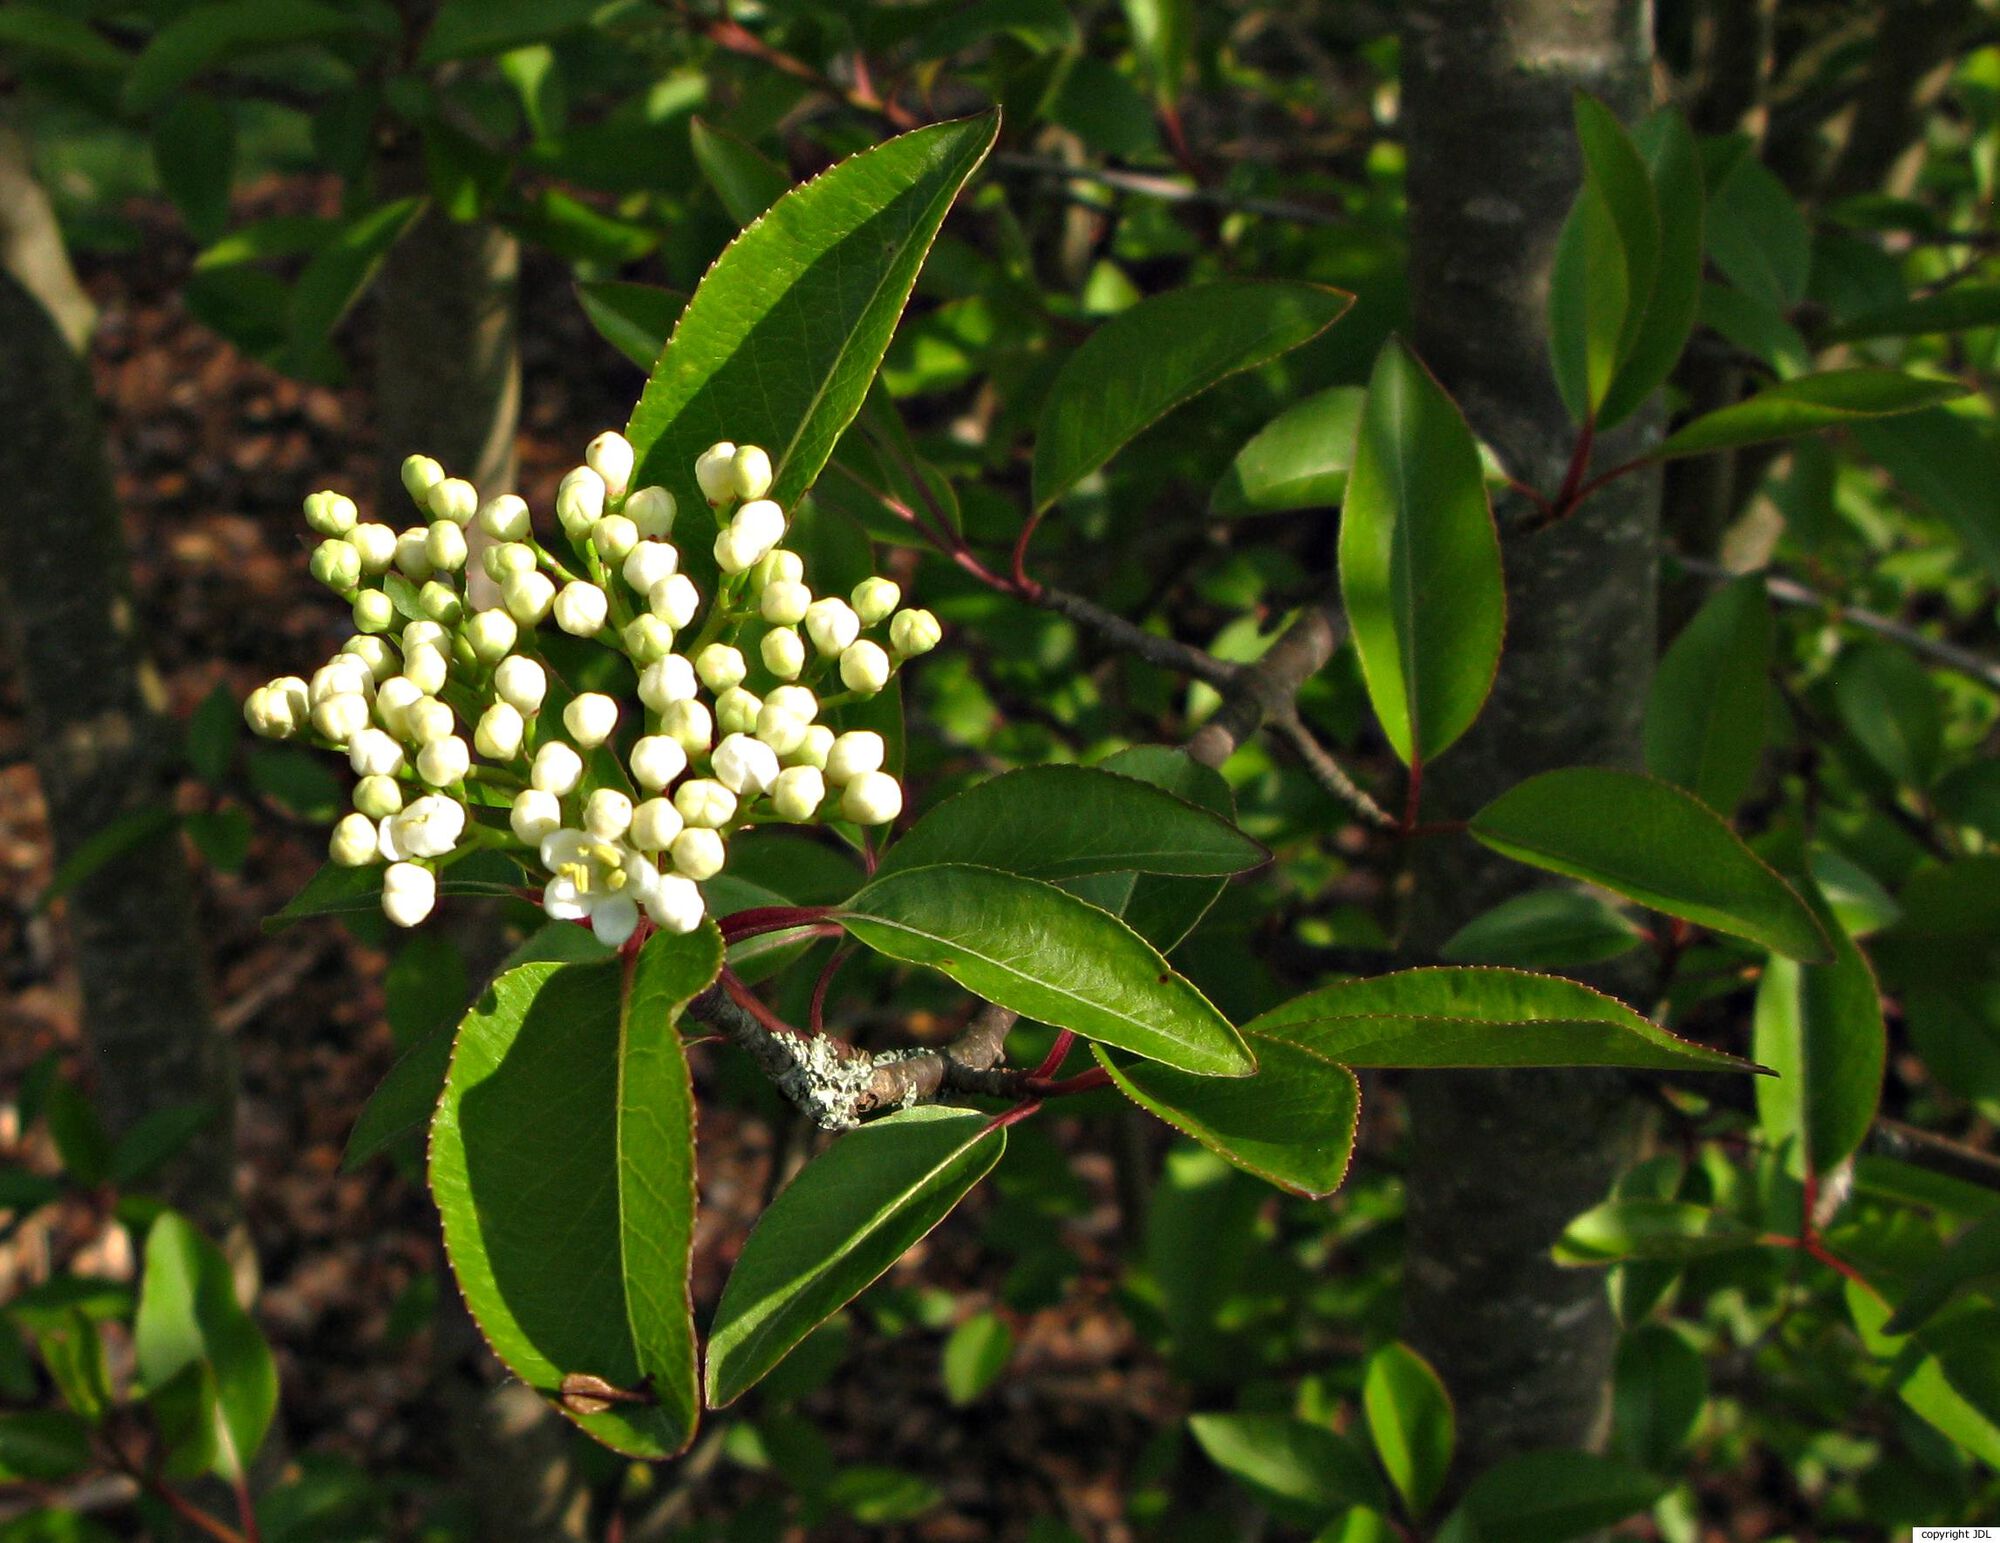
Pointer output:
1266, 689
1168, 653
1169, 189
1327, 771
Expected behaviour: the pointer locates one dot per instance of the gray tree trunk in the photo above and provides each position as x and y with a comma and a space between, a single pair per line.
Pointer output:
1503, 1160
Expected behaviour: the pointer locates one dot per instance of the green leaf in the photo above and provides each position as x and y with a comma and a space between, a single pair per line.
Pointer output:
1547, 1497
1962, 308
403, 1100
1972, 1259
194, 152
1920, 1377
1543, 929
66, 39
746, 180
851, 1213
1819, 1027
1620, 176
1046, 954
468, 29
1757, 236
189, 1322
1705, 715
1410, 1418
1661, 326
1653, 843
207, 35
1649, 1229
580, 231
1951, 463
562, 1162
1420, 561
1163, 38
1149, 359
1471, 1016
41, 1445
1291, 1123
1059, 822
1657, 1392
1299, 1468
155, 1139
1299, 460
1588, 303
975, 1356
1886, 701
784, 334
635, 319
1805, 405
341, 270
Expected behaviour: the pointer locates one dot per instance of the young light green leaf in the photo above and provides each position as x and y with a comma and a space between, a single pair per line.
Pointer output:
1885, 699
1658, 1388
1661, 326
1472, 1016
1301, 1469
190, 1325
206, 35
1649, 1229
633, 318
746, 180
1420, 561
1292, 1123
1619, 173
1588, 303
1543, 929
1805, 405
974, 1357
1163, 38
1653, 843
1299, 460
562, 1163
784, 334
1705, 715
1410, 1418
1059, 822
1550, 1497
1962, 308
1972, 1259
1153, 356
851, 1213
1043, 952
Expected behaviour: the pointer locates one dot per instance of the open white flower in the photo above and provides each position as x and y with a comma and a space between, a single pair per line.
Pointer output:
591, 879
425, 827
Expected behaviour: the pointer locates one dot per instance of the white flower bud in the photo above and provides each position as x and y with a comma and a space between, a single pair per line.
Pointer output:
655, 824
688, 724
429, 827
667, 680
784, 604
874, 599
746, 766
581, 609
445, 547
342, 675
377, 546
652, 510
796, 700
330, 513
705, 802
521, 683
420, 475
491, 636
453, 500
444, 761
832, 625
591, 719
735, 552
425, 634
393, 699
291, 698
556, 768
783, 652
647, 639
674, 600
373, 611
656, 761
750, 472
500, 732
506, 518
535, 814
610, 456
336, 565
698, 853
508, 558
340, 718
715, 471
440, 602
873, 798
864, 667
783, 731
409, 893
413, 555
353, 842
580, 501
781, 568
374, 753
377, 798
427, 720
798, 792
426, 667
614, 536
736, 710
528, 597
854, 754
914, 632
814, 749
648, 563
675, 904
760, 523
720, 666
607, 814
263, 719
373, 652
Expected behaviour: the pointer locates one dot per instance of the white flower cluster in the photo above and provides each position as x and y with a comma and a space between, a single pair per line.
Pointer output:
628, 805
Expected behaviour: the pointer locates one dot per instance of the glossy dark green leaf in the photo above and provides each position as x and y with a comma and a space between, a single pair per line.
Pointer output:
746, 180
1152, 357
343, 268
1961, 308
784, 334
1543, 929
404, 1099
1971, 1260
562, 1163
194, 152
54, 34
1805, 405
1302, 1469
1411, 1421
1299, 460
1549, 1497
1757, 236
42, 1445
1920, 1377
1658, 1388
469, 29
1043, 952
1420, 561
1885, 699
1471, 1016
206, 35
1819, 1027
1653, 843
633, 318
1649, 1229
1705, 714
1059, 822
1951, 462
1660, 330
852, 1212
1588, 303
974, 1357
1618, 174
